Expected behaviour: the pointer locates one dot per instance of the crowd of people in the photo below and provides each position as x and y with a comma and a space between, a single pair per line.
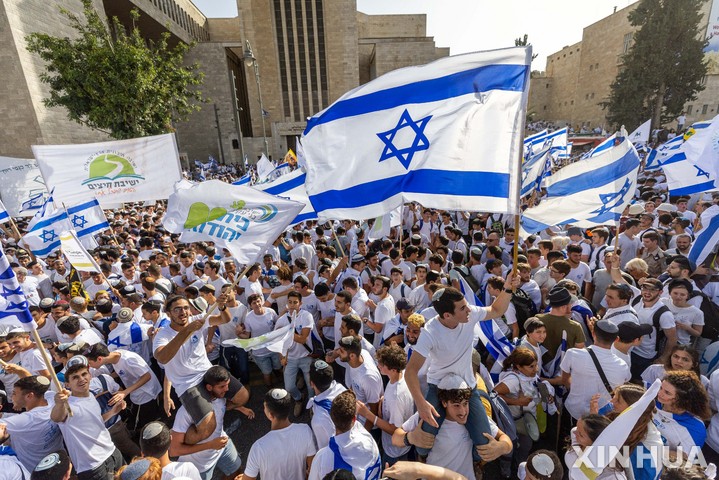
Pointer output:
387, 354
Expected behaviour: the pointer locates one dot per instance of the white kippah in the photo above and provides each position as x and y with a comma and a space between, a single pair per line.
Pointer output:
152, 430
543, 464
278, 393
42, 380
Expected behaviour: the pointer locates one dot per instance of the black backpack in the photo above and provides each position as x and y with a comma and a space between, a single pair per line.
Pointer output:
471, 281
502, 415
711, 316
661, 340
497, 225
524, 308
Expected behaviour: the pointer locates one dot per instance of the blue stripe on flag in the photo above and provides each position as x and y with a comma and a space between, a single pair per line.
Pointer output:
482, 79
436, 182
304, 216
602, 176
93, 229
705, 241
4, 216
699, 187
49, 221
83, 206
289, 185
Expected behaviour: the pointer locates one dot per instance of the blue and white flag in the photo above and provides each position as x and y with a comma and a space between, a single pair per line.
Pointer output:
446, 134
23, 188
606, 144
88, 220
551, 369
641, 134
201, 176
244, 180
705, 242
292, 187
657, 157
243, 220
301, 160
534, 142
44, 229
264, 169
13, 304
534, 170
696, 167
4, 216
280, 170
587, 194
559, 140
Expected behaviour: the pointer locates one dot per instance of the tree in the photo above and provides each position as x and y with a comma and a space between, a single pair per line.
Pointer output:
116, 81
523, 42
663, 68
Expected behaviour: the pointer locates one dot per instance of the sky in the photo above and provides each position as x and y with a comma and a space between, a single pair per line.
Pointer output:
472, 25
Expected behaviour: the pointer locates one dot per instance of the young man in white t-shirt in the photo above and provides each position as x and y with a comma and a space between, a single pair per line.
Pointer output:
298, 356
397, 405
325, 390
294, 440
384, 309
88, 442
447, 342
351, 448
218, 450
260, 321
453, 447
155, 442
32, 434
361, 373
688, 318
26, 355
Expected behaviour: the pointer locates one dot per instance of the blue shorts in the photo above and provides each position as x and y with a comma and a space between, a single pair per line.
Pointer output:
268, 363
229, 462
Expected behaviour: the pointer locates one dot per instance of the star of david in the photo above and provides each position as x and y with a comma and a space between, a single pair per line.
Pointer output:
48, 236
78, 221
420, 142
612, 198
701, 172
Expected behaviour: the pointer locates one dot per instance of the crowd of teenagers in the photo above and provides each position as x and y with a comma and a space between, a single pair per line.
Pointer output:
387, 354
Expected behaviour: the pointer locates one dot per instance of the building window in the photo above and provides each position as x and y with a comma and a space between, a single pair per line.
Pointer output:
591, 67
592, 95
546, 86
596, 66
544, 108
627, 42
704, 109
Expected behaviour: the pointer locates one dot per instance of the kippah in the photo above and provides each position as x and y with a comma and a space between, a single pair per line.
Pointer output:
437, 295
543, 464
152, 430
135, 470
48, 462
320, 365
42, 380
278, 393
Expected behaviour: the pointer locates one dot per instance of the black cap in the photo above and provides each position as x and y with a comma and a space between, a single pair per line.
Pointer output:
559, 296
630, 331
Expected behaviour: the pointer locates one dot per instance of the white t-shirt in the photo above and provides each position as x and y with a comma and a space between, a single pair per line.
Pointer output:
205, 459
338, 323
190, 363
228, 330
11, 468
384, 312
182, 470
33, 435
250, 288
452, 446
31, 360
580, 274
130, 368
690, 315
258, 325
321, 423
646, 349
585, 378
397, 407
296, 444
87, 440
327, 309
365, 381
303, 320
450, 350
357, 448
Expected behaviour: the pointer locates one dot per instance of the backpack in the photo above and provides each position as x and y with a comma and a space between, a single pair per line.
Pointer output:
661, 338
598, 259
471, 281
103, 398
502, 416
318, 348
497, 225
711, 315
524, 308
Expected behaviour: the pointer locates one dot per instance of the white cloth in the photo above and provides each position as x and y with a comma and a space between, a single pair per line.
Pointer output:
357, 448
130, 368
303, 320
321, 423
296, 444
397, 407
205, 459
690, 315
647, 347
179, 470
258, 325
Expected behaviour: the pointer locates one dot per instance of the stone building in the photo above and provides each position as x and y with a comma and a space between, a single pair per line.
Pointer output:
578, 77
307, 54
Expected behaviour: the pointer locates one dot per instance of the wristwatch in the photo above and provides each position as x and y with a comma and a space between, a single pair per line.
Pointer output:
222, 308
405, 440
508, 290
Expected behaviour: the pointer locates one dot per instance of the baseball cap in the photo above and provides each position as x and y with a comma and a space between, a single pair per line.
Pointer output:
630, 331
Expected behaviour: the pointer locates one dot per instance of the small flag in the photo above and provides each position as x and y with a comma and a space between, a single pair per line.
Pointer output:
264, 168
705, 242
301, 160
290, 158
244, 180
641, 134
534, 169
4, 216
382, 226
278, 341
13, 304
88, 220
43, 236
76, 253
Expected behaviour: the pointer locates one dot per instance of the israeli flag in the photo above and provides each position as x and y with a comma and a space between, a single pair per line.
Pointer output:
551, 369
44, 229
534, 170
4, 216
446, 134
657, 157
587, 194
88, 219
641, 134
705, 242
292, 187
559, 142
606, 144
534, 142
695, 168
244, 180
13, 304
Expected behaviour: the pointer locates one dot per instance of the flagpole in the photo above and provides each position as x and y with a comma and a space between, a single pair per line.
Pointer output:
48, 364
400, 238
234, 284
342, 250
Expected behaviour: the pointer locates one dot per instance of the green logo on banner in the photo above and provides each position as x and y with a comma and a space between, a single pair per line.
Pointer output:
110, 167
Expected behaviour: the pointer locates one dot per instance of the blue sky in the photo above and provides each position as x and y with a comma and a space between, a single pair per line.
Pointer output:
471, 25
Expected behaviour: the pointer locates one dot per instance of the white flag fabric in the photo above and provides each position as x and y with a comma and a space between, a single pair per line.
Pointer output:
641, 134
534, 142
606, 447
76, 253
705, 242
4, 216
292, 187
382, 226
588, 193
701, 150
278, 341
446, 134
663, 152
44, 229
23, 188
239, 218
88, 220
301, 160
132, 170
13, 303
264, 168
533, 170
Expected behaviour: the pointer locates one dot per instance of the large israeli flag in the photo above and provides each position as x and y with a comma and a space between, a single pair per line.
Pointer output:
587, 194
43, 231
692, 168
292, 187
657, 157
705, 242
88, 220
13, 304
446, 134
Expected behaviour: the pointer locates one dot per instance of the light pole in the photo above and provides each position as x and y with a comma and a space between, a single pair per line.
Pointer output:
236, 109
251, 61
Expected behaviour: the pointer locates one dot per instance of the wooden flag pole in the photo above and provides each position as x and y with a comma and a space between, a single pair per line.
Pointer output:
342, 250
48, 363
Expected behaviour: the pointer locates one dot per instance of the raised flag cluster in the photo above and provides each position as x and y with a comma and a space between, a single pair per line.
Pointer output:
432, 134
13, 304
43, 232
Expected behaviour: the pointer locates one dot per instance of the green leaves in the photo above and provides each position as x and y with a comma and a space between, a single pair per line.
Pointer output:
115, 80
